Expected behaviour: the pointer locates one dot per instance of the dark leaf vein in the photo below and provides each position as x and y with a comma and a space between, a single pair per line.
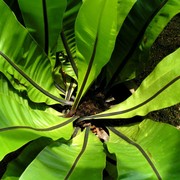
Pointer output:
128, 140
39, 129
46, 33
139, 105
80, 154
33, 82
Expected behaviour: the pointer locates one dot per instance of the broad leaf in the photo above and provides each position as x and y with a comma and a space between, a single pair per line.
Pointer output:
158, 23
34, 74
159, 90
130, 36
14, 6
68, 36
69, 24
95, 36
20, 159
140, 57
69, 160
43, 18
22, 121
149, 150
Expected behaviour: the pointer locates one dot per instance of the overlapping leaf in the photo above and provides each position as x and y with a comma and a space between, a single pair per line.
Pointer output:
23, 52
18, 160
95, 36
43, 18
68, 36
142, 151
159, 90
140, 57
22, 121
66, 160
67, 44
148, 150
127, 60
169, 10
130, 35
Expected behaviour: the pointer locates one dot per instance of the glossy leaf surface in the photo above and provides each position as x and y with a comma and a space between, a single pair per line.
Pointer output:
158, 23
129, 38
27, 56
23, 121
21, 158
95, 36
160, 142
43, 19
159, 90
68, 36
55, 161
146, 150
140, 58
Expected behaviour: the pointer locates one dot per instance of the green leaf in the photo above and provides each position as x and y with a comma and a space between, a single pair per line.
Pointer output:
158, 23
69, 55
137, 146
140, 58
14, 6
25, 155
129, 38
43, 18
23, 121
95, 37
15, 136
28, 57
69, 24
56, 160
159, 90
67, 43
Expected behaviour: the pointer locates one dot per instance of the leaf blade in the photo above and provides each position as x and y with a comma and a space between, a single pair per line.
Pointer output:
51, 157
95, 37
162, 82
129, 38
23, 121
153, 141
26, 55
43, 19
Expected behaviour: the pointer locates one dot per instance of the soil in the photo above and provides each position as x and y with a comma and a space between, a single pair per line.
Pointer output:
92, 104
166, 43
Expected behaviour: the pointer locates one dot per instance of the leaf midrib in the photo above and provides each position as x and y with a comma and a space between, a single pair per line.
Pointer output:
51, 128
137, 106
142, 151
33, 83
46, 31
